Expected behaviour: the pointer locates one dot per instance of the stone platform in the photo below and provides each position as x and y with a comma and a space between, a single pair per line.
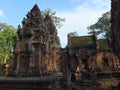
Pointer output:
29, 83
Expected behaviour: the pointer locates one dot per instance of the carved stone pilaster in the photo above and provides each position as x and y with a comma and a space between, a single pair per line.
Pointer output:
37, 59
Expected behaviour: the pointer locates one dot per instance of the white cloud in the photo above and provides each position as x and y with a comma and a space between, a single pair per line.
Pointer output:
80, 17
2, 13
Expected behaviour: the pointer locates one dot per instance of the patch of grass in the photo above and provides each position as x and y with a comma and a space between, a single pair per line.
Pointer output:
107, 83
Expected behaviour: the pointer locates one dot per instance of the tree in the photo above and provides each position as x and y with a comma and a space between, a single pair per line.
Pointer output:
102, 26
73, 34
7, 33
56, 20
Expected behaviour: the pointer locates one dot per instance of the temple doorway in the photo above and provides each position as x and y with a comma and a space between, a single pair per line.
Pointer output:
105, 62
84, 63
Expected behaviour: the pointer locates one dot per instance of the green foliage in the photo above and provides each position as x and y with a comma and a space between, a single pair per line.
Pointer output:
56, 20
102, 25
73, 34
7, 33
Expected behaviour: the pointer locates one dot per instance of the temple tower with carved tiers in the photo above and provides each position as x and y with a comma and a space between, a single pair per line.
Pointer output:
115, 26
37, 46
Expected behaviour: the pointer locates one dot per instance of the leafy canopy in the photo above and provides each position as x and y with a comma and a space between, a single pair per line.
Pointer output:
7, 33
102, 26
56, 20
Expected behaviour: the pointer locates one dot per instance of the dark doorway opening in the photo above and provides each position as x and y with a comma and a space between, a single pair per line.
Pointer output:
84, 63
105, 62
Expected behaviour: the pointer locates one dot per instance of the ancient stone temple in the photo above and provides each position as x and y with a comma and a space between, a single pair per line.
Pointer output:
115, 26
36, 47
87, 53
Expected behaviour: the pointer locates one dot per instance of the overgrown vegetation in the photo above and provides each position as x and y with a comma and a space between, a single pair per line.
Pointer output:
102, 26
7, 33
56, 20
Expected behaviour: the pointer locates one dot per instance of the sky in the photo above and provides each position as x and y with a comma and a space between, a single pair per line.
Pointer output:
79, 14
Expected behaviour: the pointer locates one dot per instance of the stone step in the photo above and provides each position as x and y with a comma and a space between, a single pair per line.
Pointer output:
33, 83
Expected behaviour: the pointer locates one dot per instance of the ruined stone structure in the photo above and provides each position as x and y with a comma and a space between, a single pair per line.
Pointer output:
37, 46
115, 26
87, 53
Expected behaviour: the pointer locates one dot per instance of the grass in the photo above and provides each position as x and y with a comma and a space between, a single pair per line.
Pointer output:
107, 83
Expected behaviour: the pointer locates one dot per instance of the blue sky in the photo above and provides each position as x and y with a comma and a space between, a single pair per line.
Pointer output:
78, 13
